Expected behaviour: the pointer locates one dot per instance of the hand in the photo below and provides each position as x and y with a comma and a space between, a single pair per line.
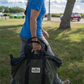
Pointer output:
46, 35
36, 46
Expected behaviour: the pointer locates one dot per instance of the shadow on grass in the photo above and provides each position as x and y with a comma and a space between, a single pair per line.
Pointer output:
9, 36
11, 26
74, 46
9, 44
71, 51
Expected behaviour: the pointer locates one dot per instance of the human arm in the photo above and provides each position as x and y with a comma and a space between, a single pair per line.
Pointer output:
36, 7
33, 28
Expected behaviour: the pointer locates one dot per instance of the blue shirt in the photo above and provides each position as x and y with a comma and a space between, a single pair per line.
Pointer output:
35, 5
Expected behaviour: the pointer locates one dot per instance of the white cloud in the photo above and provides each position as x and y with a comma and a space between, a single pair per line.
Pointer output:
77, 7
57, 6
12, 1
57, 10
61, 1
82, 1
58, 1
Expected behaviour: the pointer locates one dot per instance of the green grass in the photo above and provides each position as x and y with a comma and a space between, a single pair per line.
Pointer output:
66, 44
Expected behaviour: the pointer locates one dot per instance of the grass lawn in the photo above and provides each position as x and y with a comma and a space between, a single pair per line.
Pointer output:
66, 44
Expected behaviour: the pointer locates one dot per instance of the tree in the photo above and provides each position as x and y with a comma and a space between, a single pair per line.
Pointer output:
6, 9
11, 10
65, 23
1, 8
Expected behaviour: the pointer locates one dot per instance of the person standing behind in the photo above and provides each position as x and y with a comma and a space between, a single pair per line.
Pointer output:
33, 28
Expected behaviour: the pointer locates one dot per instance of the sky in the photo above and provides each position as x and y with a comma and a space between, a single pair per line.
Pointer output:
56, 6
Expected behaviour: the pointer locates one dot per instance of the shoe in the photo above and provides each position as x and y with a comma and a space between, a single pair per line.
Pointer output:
66, 82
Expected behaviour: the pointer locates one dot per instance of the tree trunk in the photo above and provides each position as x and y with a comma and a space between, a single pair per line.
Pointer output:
65, 23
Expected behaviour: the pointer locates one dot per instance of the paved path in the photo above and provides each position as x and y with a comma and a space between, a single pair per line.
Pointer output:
58, 19
4, 17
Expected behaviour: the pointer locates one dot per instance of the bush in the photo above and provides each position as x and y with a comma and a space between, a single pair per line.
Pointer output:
57, 15
8, 14
82, 15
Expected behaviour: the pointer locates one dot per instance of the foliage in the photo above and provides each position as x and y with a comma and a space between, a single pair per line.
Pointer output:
66, 44
8, 13
82, 15
1, 8
11, 9
56, 14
